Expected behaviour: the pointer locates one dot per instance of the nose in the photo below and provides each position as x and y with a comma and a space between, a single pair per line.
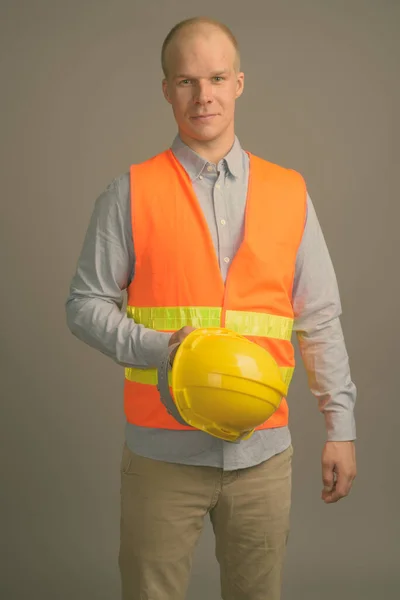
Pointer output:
203, 93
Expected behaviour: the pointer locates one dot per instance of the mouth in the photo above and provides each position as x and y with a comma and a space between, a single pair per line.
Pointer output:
203, 118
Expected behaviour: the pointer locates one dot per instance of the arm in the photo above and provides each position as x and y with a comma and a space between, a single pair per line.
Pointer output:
317, 309
105, 268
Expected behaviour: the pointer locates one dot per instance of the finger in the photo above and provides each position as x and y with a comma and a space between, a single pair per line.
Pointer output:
343, 485
337, 493
331, 497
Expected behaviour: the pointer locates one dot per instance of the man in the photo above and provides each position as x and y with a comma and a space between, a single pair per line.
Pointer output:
173, 233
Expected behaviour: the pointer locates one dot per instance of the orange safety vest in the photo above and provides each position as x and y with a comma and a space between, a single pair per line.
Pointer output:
178, 281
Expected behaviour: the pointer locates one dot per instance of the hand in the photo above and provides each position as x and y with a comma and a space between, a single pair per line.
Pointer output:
338, 470
177, 338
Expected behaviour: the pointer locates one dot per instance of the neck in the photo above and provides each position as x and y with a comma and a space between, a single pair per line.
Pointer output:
211, 150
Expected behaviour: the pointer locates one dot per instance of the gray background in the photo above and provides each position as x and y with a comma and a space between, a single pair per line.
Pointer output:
81, 100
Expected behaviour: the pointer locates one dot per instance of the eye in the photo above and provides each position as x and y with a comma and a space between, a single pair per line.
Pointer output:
218, 78
184, 82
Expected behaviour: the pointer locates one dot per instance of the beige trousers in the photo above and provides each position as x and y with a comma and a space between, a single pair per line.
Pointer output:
163, 506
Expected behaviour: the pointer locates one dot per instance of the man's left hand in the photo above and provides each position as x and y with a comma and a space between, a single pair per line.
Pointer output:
338, 470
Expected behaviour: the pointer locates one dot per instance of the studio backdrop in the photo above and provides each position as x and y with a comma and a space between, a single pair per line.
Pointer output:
80, 101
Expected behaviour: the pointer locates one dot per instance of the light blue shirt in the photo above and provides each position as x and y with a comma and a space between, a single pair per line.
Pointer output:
106, 267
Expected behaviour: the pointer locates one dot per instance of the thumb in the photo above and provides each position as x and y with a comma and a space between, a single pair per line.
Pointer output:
328, 478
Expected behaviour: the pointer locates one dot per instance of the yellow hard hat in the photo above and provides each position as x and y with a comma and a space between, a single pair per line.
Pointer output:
224, 384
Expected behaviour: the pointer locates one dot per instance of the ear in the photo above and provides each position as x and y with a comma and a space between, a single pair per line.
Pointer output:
165, 90
239, 84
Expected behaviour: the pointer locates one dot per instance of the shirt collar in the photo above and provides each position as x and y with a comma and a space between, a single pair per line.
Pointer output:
194, 164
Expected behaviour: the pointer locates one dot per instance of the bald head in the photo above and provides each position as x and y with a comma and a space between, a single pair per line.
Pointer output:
202, 82
186, 31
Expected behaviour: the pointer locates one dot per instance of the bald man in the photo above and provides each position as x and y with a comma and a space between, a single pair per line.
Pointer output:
173, 477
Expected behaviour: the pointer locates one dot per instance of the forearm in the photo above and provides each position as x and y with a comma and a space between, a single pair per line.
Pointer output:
326, 362
100, 324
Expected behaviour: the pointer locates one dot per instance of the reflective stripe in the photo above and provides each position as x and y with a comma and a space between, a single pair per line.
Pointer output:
287, 374
259, 324
172, 319
244, 322
149, 376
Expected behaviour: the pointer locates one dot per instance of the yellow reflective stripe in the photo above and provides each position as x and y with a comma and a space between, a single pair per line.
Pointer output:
149, 376
287, 374
259, 324
172, 319
146, 376
243, 322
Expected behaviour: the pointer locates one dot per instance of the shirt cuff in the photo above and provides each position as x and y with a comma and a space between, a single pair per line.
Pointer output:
340, 425
154, 345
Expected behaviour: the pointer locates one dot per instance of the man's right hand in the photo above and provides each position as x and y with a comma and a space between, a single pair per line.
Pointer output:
177, 338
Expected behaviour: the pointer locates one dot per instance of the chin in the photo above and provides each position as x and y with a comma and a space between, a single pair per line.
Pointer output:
204, 135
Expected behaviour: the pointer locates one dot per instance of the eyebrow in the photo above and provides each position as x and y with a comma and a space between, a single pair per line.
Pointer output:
215, 74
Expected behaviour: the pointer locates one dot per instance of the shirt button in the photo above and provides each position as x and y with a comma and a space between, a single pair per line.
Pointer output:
223, 222
210, 168
200, 176
217, 186
226, 259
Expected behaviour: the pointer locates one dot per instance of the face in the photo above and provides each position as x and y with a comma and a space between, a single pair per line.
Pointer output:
202, 86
